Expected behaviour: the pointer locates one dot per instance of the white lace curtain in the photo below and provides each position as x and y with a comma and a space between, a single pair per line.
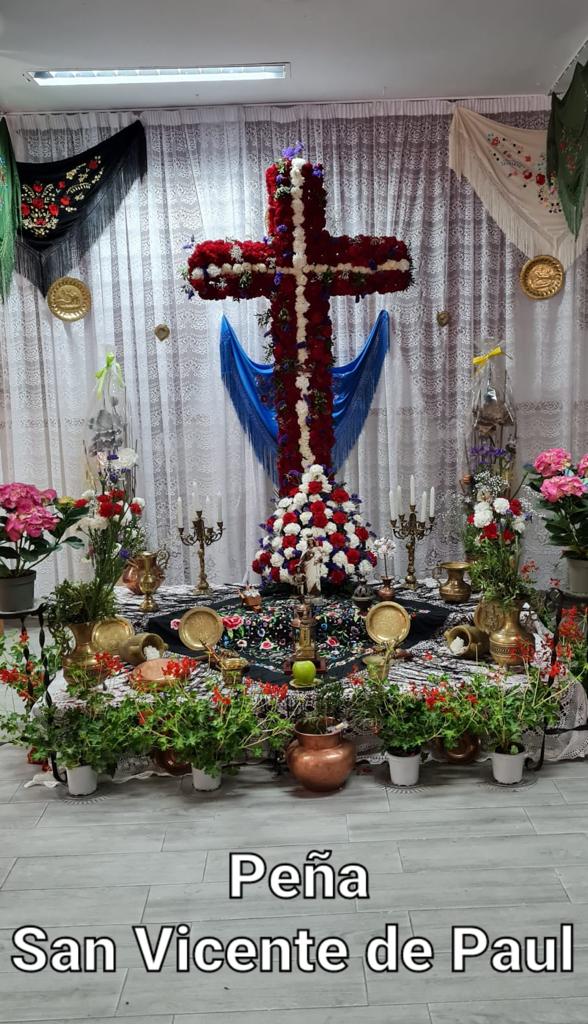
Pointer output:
386, 173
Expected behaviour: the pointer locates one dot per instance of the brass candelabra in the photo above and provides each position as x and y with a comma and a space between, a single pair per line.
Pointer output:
203, 536
409, 529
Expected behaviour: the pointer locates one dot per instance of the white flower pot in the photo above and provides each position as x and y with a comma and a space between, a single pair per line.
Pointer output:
204, 782
81, 781
578, 577
508, 768
404, 771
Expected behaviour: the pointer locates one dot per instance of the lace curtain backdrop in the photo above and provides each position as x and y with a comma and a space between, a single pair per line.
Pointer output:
386, 173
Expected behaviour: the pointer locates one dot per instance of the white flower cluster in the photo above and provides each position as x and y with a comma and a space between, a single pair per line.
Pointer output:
486, 513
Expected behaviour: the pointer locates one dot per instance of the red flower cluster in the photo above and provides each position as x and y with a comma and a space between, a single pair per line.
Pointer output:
109, 664
220, 699
275, 691
179, 668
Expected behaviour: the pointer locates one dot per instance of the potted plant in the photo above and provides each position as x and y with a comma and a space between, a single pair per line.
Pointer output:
33, 524
404, 719
459, 740
508, 708
74, 608
22, 669
211, 731
563, 487
500, 525
321, 758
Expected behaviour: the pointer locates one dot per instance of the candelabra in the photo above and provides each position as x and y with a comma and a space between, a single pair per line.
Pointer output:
410, 530
203, 536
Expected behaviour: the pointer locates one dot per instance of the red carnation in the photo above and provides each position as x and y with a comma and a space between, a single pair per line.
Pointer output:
471, 519
337, 576
315, 487
80, 503
290, 517
508, 536
490, 532
107, 509
353, 556
288, 542
340, 518
318, 506
256, 566
264, 558
340, 495
516, 507
361, 532
275, 574
338, 540
135, 508
319, 519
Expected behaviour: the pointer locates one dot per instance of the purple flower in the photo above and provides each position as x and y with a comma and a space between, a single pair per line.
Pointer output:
317, 171
291, 151
279, 178
278, 277
124, 554
282, 228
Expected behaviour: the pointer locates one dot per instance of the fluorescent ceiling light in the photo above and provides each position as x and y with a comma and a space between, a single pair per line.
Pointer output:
159, 76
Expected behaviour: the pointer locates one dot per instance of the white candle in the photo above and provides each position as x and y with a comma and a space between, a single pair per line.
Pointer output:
392, 497
180, 514
412, 491
432, 503
196, 500
219, 507
399, 499
423, 507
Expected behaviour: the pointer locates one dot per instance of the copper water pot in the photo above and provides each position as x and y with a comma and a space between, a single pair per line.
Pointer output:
321, 762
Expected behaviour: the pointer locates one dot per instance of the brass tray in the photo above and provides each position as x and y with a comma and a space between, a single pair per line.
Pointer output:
489, 616
542, 277
200, 628
110, 634
69, 299
387, 623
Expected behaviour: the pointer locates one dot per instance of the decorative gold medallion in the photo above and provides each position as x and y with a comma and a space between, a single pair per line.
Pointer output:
200, 628
443, 317
69, 299
489, 616
542, 277
161, 332
387, 623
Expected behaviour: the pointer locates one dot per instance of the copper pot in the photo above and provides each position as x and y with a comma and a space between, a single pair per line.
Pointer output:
321, 762
465, 751
386, 591
131, 577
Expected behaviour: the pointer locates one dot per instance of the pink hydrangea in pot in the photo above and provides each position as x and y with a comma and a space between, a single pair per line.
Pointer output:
563, 489
33, 524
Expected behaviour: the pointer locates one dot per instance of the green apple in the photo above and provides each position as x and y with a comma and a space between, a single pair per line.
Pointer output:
303, 673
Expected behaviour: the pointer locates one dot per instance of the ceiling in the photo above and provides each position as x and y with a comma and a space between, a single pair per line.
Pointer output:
338, 49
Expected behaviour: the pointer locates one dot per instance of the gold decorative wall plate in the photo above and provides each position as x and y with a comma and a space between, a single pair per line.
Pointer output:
161, 332
542, 277
489, 616
200, 628
69, 299
110, 634
387, 623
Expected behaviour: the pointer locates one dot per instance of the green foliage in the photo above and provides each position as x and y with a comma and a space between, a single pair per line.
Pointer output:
329, 702
567, 519
77, 602
404, 719
505, 712
24, 674
496, 573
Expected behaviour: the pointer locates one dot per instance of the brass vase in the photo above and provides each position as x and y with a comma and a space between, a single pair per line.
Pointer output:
455, 590
133, 649
150, 579
475, 641
83, 655
511, 641
321, 762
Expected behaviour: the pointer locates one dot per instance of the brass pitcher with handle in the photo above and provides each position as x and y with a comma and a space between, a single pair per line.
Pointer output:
151, 567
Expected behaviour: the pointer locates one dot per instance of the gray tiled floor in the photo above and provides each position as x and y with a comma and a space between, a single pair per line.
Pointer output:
454, 851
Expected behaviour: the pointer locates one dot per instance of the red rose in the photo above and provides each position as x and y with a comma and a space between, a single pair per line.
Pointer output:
353, 556
516, 507
135, 508
340, 518
315, 487
65, 200
490, 532
37, 188
25, 209
338, 540
53, 209
337, 576
340, 495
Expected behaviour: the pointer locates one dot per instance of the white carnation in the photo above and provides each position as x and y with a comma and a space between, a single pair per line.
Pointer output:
519, 525
291, 528
213, 270
278, 523
348, 506
276, 543
354, 541
323, 570
340, 558
482, 514
305, 517
317, 531
277, 559
365, 568
326, 547
126, 458
284, 576
299, 500
501, 505
89, 495
349, 568
315, 471
331, 528
284, 503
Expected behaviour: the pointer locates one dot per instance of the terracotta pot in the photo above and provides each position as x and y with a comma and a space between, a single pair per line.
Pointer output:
83, 654
465, 750
508, 643
321, 762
